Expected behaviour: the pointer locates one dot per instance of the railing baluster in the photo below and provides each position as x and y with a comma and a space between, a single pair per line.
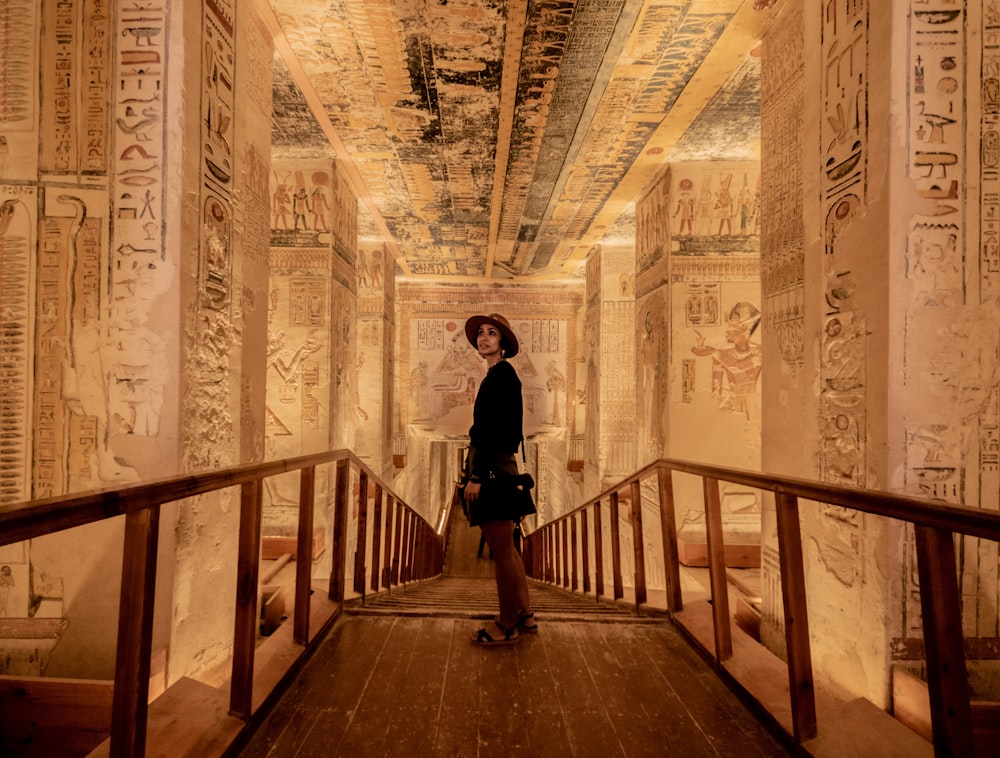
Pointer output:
598, 551
638, 545
404, 569
550, 556
574, 578
668, 529
419, 553
389, 544
339, 552
793, 593
361, 553
564, 552
717, 571
618, 587
585, 550
135, 633
247, 591
304, 555
377, 538
940, 603
397, 550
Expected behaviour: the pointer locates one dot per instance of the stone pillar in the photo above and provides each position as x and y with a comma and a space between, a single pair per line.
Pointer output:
221, 153
135, 298
885, 315
698, 354
618, 410
376, 342
312, 401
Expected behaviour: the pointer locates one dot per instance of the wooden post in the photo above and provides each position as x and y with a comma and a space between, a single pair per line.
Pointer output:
377, 537
397, 549
338, 555
389, 544
668, 528
404, 569
639, 546
717, 571
616, 549
564, 530
304, 555
550, 553
247, 613
944, 644
361, 552
793, 593
574, 576
135, 633
598, 551
585, 550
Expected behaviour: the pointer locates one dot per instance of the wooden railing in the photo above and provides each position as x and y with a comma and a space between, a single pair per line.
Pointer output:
410, 550
559, 552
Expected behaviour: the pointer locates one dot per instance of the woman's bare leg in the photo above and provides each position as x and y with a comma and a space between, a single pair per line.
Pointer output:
512, 584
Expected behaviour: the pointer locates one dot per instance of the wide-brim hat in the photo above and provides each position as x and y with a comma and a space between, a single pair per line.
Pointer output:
507, 334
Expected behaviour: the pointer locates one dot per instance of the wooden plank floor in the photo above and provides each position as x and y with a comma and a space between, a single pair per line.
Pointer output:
384, 684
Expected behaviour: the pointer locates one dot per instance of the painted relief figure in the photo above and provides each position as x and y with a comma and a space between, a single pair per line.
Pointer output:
279, 207
320, 205
300, 207
724, 207
6, 582
684, 210
735, 368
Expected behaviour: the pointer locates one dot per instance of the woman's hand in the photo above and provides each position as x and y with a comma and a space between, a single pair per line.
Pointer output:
472, 492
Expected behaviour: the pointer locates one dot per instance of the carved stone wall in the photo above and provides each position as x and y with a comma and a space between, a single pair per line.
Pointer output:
227, 116
617, 362
376, 340
713, 307
312, 402
131, 270
899, 351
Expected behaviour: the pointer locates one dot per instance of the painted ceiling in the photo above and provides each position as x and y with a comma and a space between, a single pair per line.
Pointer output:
503, 139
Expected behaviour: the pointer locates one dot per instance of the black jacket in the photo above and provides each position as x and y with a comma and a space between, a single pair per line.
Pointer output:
496, 418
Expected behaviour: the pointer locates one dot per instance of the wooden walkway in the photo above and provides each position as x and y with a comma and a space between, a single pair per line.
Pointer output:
399, 677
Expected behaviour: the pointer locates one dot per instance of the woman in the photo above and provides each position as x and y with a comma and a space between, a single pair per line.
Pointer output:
493, 442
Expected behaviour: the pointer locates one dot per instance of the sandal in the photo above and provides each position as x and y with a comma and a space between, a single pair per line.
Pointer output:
484, 638
526, 622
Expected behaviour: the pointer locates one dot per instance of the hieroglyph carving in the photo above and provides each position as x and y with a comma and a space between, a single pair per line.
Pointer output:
782, 260
17, 246
844, 138
217, 105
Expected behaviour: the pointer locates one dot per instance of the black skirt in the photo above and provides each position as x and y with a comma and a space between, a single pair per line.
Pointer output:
504, 495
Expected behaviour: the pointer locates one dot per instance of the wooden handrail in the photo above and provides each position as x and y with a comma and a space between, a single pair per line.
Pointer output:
140, 504
935, 524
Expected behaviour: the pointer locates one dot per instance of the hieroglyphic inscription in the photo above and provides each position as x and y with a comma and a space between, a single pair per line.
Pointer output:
989, 239
652, 224
653, 390
17, 244
18, 88
137, 248
782, 259
217, 100
75, 87
935, 252
60, 52
843, 135
344, 220
937, 462
52, 340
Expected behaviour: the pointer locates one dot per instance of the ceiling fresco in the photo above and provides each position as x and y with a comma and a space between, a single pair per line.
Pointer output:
503, 139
